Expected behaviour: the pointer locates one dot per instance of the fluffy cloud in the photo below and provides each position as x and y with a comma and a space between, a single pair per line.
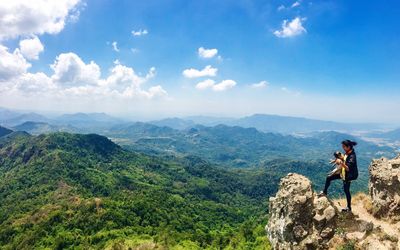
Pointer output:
207, 53
69, 69
221, 86
139, 32
115, 46
26, 18
205, 84
35, 83
11, 64
292, 28
31, 48
73, 77
194, 73
259, 85
224, 85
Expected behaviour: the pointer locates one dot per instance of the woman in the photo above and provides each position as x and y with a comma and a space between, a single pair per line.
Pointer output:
351, 172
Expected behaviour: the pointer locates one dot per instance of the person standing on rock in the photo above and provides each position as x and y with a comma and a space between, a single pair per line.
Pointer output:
351, 172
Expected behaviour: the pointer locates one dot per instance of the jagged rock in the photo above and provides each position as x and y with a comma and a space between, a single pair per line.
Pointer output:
299, 219
384, 187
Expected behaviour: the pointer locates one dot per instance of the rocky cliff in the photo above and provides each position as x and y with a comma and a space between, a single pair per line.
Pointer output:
299, 219
384, 188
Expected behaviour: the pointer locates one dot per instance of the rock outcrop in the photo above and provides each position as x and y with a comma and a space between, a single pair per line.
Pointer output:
299, 219
384, 188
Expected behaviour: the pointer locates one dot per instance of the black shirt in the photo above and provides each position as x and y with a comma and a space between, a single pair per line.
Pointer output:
351, 162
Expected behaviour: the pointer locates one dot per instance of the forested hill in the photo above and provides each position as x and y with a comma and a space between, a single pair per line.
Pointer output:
64, 190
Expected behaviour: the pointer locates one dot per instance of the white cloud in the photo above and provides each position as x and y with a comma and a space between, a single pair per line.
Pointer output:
224, 85
210, 84
139, 32
134, 50
207, 53
205, 84
259, 85
69, 69
295, 4
281, 7
292, 28
26, 18
194, 73
35, 83
31, 48
11, 64
115, 46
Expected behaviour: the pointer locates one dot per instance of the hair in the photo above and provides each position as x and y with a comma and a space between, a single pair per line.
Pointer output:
349, 143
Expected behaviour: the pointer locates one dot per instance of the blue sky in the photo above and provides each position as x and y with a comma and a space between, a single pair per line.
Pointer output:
336, 60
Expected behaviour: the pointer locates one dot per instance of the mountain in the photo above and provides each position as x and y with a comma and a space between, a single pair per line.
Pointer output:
4, 131
89, 121
33, 117
6, 114
62, 190
175, 123
290, 125
392, 135
43, 127
235, 146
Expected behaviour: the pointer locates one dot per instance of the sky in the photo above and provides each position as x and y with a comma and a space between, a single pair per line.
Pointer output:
333, 60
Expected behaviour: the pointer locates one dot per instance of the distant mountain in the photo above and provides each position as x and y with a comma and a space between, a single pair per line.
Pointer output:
43, 127
290, 125
33, 117
210, 120
88, 120
6, 114
4, 131
269, 123
139, 130
393, 135
235, 146
175, 123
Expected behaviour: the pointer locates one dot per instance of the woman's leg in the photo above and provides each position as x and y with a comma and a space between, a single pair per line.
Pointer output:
328, 182
346, 188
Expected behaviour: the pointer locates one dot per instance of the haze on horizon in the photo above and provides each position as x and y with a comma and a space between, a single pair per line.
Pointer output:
329, 60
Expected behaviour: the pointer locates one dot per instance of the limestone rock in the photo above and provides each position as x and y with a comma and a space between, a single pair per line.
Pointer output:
299, 219
384, 187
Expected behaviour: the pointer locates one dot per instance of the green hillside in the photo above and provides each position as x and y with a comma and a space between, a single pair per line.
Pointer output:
65, 190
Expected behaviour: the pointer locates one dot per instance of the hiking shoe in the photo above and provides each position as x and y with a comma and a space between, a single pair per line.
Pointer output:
322, 193
345, 210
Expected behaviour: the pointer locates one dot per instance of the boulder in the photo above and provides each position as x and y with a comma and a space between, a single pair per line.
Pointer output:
384, 188
298, 218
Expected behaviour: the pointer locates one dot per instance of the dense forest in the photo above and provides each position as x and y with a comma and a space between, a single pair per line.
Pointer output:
69, 190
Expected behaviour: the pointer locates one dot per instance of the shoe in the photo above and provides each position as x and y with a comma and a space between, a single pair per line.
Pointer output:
322, 193
345, 210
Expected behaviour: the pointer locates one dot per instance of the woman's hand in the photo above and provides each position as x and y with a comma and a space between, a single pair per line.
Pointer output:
338, 162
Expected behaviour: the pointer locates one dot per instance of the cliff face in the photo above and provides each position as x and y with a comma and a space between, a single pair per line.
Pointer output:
384, 188
298, 218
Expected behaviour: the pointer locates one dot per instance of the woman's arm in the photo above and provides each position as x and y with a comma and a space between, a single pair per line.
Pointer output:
350, 162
